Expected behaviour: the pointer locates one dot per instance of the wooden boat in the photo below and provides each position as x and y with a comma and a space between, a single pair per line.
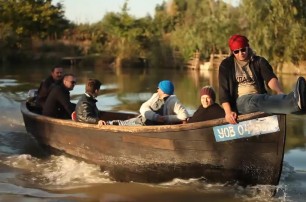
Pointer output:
161, 153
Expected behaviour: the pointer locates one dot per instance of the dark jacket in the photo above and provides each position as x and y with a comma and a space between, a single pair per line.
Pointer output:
58, 103
203, 114
44, 90
86, 110
228, 85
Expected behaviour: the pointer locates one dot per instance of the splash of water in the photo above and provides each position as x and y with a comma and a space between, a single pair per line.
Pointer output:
56, 171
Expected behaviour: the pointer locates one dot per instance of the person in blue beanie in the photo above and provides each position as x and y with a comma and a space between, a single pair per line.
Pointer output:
162, 108
166, 86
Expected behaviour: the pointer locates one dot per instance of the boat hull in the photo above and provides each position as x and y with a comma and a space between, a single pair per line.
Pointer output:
161, 153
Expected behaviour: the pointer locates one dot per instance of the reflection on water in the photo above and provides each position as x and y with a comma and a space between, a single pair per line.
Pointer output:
296, 132
28, 173
296, 157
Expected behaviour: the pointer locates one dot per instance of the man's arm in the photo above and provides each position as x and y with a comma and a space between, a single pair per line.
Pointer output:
146, 111
176, 112
85, 113
64, 100
275, 86
230, 116
268, 75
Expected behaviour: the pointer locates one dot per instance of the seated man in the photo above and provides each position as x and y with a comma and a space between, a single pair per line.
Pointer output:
208, 109
58, 103
86, 109
162, 108
243, 77
46, 85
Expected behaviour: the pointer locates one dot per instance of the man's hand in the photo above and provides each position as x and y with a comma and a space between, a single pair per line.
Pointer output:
101, 123
231, 117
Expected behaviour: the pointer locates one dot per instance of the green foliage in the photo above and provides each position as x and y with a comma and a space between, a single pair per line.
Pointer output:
23, 20
276, 28
205, 26
126, 36
29, 18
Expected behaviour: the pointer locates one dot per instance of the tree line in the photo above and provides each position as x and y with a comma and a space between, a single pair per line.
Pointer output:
275, 29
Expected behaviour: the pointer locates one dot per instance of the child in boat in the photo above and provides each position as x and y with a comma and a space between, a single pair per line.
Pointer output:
162, 108
208, 109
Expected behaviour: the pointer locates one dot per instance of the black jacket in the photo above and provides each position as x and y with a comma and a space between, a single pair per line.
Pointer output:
86, 110
58, 103
44, 90
203, 114
228, 85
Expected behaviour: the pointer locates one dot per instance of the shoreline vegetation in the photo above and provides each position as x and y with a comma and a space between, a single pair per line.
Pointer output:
181, 34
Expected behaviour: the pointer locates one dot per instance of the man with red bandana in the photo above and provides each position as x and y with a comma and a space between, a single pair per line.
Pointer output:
242, 79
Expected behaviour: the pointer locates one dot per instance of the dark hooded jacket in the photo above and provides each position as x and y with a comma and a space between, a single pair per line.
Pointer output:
58, 103
228, 85
44, 90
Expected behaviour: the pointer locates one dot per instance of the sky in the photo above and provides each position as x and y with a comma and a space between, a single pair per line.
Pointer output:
91, 11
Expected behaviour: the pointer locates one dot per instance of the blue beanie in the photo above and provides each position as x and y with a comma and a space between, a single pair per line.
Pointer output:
166, 86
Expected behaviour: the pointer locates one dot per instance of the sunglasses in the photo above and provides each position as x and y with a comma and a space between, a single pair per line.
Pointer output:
72, 82
242, 50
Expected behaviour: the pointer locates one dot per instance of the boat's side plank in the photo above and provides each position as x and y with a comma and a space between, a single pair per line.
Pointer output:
159, 143
161, 153
127, 145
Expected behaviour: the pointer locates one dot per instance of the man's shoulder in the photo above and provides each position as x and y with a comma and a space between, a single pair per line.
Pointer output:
58, 89
258, 58
83, 100
87, 98
48, 81
227, 61
260, 61
173, 98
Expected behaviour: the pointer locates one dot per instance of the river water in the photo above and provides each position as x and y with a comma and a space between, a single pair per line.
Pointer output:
29, 174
